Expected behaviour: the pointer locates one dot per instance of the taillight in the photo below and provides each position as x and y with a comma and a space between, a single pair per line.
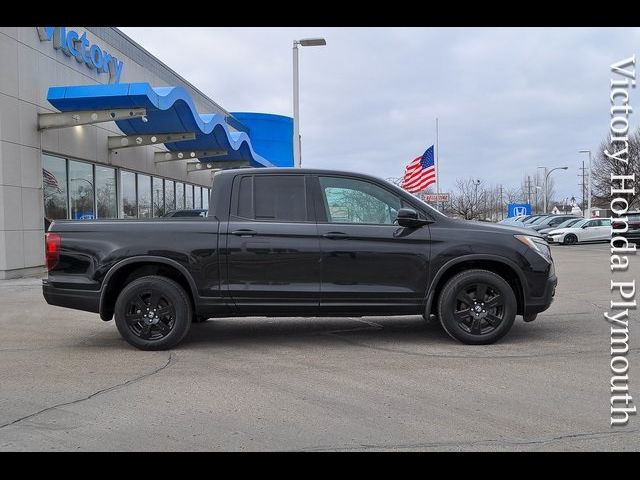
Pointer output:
52, 249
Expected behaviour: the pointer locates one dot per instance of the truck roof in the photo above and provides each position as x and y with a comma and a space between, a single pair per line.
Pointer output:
314, 171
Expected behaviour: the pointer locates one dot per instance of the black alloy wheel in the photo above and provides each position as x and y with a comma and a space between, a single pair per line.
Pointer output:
570, 239
150, 315
153, 313
477, 307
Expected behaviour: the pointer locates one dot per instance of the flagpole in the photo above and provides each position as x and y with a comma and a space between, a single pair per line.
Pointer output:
437, 163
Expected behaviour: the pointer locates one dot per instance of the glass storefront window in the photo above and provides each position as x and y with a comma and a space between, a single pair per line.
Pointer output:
106, 199
54, 186
197, 197
179, 196
169, 195
128, 205
81, 190
144, 196
188, 196
205, 198
158, 197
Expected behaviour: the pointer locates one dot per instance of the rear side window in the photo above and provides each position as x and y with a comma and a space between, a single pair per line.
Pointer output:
280, 198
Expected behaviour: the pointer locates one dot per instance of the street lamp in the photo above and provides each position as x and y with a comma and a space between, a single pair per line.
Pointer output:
475, 201
588, 185
546, 178
305, 42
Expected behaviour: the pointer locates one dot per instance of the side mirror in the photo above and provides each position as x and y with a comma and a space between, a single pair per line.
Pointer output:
585, 225
408, 217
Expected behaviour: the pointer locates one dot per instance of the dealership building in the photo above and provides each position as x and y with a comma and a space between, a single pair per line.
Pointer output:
94, 126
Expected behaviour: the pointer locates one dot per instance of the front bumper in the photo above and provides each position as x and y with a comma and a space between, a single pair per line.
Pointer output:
86, 300
553, 239
535, 305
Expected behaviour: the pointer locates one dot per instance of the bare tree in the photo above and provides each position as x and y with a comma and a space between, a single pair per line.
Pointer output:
467, 198
604, 167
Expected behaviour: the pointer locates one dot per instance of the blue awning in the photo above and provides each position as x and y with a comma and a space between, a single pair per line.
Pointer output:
169, 110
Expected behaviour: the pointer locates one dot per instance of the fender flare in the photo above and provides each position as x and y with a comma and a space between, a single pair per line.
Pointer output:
473, 256
144, 259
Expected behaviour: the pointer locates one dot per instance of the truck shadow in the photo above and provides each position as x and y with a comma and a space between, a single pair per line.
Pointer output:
413, 330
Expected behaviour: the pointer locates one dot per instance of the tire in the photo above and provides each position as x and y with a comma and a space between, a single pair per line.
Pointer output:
487, 324
570, 239
146, 294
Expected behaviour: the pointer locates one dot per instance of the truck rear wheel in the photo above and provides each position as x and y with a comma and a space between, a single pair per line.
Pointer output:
153, 313
477, 307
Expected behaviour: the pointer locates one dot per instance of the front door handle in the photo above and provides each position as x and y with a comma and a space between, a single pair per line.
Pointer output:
244, 232
335, 235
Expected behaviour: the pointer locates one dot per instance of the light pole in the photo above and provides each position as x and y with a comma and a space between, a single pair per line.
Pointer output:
475, 201
305, 42
588, 185
546, 179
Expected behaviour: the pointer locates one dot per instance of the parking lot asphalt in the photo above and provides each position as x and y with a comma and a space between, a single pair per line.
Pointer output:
69, 382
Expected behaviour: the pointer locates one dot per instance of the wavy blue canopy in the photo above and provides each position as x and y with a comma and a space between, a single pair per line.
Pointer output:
169, 110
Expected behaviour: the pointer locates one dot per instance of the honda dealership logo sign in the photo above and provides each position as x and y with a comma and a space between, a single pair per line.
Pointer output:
78, 46
518, 209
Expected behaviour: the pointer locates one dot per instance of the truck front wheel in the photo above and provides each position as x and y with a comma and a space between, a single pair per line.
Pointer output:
477, 307
153, 313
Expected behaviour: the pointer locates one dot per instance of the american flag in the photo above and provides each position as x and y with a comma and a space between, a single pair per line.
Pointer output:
50, 180
420, 173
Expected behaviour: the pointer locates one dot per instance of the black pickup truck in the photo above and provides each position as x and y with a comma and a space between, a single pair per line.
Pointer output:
299, 242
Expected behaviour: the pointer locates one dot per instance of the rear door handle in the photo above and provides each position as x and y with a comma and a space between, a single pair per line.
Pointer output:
244, 232
335, 235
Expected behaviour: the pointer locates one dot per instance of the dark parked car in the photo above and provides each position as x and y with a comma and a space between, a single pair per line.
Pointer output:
198, 212
633, 232
552, 221
299, 242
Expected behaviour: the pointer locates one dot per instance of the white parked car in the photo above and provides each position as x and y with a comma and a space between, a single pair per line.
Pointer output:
588, 230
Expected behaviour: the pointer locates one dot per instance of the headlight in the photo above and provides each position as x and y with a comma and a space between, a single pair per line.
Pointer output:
537, 244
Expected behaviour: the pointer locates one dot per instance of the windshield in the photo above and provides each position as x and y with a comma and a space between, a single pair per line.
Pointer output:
532, 219
569, 223
537, 220
579, 223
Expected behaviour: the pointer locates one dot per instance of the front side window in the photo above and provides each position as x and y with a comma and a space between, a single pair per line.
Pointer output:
54, 186
349, 200
81, 190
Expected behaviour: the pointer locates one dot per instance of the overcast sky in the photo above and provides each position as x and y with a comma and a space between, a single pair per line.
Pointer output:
507, 99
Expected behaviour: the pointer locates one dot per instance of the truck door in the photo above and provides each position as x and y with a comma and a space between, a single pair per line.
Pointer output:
272, 245
368, 261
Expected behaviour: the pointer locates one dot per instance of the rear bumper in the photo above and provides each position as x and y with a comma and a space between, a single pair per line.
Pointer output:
535, 305
87, 300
